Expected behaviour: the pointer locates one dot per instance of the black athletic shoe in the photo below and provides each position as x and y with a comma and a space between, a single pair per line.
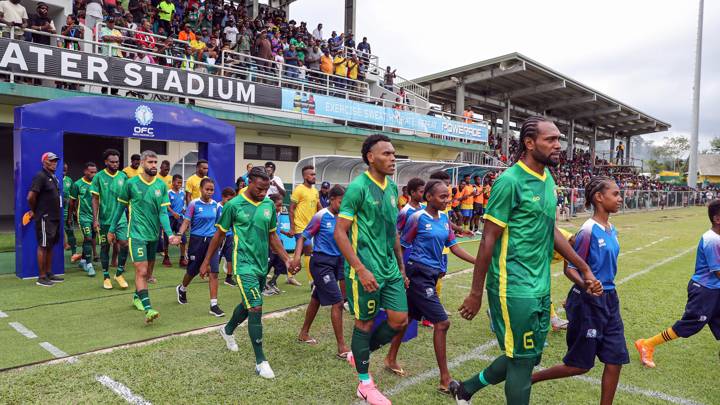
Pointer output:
181, 297
44, 282
230, 281
55, 279
457, 391
216, 311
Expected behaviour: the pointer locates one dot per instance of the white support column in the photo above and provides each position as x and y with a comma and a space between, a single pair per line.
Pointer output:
460, 99
627, 150
506, 130
593, 142
350, 7
571, 141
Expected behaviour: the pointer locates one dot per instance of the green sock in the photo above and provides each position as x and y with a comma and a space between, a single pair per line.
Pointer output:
255, 331
87, 250
494, 374
105, 259
71, 240
239, 315
145, 298
518, 382
360, 345
122, 259
382, 335
135, 296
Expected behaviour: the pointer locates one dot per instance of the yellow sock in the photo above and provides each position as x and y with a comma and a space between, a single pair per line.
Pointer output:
662, 337
438, 287
306, 264
553, 314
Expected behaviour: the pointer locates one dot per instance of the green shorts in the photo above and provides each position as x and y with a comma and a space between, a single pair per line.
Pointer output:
521, 324
364, 305
251, 286
141, 250
121, 231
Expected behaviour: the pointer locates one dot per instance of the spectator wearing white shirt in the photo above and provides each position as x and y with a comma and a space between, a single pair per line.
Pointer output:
14, 14
231, 33
276, 183
317, 33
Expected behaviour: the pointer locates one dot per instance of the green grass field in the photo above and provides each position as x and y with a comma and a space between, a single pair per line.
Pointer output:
78, 316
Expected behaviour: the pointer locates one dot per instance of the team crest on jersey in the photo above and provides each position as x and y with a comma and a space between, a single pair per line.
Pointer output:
601, 243
329, 225
200, 209
428, 226
120, 182
536, 198
157, 193
392, 200
429, 292
447, 227
591, 334
266, 213
326, 279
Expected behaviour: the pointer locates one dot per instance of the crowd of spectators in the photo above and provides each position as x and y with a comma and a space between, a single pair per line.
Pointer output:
191, 35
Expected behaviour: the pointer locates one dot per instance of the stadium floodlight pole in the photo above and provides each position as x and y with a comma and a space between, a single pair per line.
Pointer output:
692, 169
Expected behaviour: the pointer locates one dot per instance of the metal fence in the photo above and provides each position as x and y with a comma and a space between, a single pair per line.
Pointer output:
571, 201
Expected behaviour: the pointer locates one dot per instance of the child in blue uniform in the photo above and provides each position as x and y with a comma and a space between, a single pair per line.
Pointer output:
703, 303
200, 217
595, 327
416, 190
327, 267
426, 234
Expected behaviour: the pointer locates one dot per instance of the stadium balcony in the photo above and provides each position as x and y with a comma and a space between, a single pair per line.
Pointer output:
350, 102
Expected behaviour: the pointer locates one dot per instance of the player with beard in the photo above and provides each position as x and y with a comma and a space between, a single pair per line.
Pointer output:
514, 254
146, 198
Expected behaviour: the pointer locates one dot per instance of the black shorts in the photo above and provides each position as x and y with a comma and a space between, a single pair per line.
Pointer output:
326, 271
47, 231
477, 209
702, 308
274, 261
595, 329
422, 298
197, 250
226, 250
175, 225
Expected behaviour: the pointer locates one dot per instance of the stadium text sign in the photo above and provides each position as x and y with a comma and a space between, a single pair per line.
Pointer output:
59, 63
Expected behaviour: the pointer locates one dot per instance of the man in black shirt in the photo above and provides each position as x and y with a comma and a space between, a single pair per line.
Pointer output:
46, 208
41, 22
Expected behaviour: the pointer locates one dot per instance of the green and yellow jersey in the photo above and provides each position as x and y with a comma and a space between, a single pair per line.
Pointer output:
146, 202
67, 184
251, 223
102, 187
372, 208
523, 203
80, 192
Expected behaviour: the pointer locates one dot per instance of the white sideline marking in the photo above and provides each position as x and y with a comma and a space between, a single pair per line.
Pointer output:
637, 249
57, 352
623, 387
122, 390
654, 266
3, 314
22, 330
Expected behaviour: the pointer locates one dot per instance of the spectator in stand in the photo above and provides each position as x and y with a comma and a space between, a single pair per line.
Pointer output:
619, 153
265, 52
204, 36
291, 59
326, 64
112, 36
93, 14
41, 22
312, 59
364, 49
243, 43
186, 34
165, 14
71, 29
335, 43
144, 38
137, 9
468, 114
389, 79
353, 67
231, 34
166, 48
14, 14
349, 41
341, 70
317, 33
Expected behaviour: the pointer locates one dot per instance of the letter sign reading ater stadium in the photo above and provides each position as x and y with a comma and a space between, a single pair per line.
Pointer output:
47, 62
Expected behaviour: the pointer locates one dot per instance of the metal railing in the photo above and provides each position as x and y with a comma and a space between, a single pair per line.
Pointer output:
480, 158
226, 69
571, 201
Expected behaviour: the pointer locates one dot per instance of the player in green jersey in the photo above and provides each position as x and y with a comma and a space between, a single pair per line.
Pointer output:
515, 254
251, 217
103, 205
70, 241
146, 198
366, 234
81, 208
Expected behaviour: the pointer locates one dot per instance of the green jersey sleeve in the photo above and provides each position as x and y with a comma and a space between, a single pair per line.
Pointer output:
74, 191
225, 221
351, 202
502, 201
95, 186
123, 194
273, 223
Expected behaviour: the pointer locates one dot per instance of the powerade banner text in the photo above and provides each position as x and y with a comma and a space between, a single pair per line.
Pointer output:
51, 62
347, 110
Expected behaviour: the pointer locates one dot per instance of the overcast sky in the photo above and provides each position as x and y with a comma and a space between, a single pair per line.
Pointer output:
640, 52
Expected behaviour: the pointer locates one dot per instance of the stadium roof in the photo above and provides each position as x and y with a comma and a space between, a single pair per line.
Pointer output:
535, 89
709, 164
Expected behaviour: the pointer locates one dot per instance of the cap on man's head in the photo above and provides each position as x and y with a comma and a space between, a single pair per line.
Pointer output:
325, 184
49, 156
270, 164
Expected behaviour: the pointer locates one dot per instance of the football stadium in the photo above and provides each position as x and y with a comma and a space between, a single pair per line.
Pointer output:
485, 232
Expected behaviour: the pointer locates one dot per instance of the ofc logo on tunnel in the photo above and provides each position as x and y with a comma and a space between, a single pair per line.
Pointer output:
144, 117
